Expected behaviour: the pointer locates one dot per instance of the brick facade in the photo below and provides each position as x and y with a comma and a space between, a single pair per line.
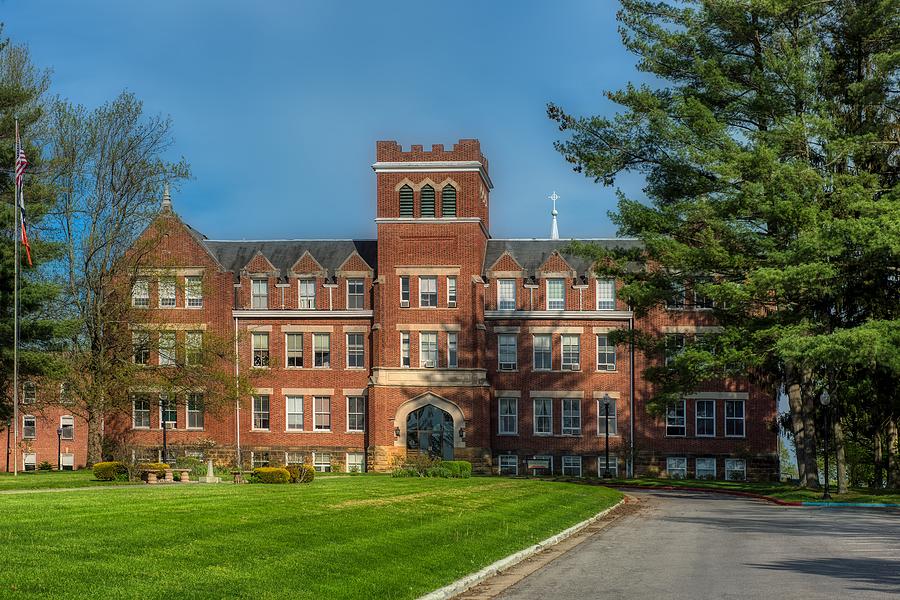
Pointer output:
431, 276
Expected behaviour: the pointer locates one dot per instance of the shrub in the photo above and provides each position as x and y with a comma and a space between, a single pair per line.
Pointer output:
109, 471
271, 475
458, 468
404, 472
160, 468
196, 465
439, 471
301, 473
45, 466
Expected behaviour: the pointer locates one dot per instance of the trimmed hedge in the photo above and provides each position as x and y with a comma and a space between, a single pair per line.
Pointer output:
301, 473
271, 475
109, 471
458, 468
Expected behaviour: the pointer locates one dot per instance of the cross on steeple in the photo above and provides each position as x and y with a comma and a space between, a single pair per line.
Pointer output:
554, 229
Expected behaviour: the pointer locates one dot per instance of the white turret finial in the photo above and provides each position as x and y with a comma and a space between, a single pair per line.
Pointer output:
554, 229
167, 199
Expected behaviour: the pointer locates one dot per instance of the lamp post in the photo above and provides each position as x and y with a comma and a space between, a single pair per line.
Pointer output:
606, 473
825, 399
59, 448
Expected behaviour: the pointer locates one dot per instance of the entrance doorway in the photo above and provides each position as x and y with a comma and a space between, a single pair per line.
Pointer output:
430, 429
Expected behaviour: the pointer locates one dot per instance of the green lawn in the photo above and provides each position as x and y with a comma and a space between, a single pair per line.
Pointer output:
343, 537
778, 491
31, 480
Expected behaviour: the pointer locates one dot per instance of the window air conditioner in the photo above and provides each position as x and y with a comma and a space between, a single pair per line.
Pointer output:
404, 304
507, 366
429, 364
451, 304
572, 367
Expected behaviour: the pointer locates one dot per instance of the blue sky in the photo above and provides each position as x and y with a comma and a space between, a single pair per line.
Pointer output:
277, 105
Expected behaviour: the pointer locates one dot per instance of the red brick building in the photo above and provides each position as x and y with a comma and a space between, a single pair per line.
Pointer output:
434, 336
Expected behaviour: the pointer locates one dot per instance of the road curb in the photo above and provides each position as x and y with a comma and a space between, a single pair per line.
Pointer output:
461, 585
675, 488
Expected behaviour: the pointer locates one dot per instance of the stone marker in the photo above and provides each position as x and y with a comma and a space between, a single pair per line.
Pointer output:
210, 476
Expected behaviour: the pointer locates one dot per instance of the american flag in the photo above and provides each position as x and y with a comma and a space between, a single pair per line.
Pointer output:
21, 163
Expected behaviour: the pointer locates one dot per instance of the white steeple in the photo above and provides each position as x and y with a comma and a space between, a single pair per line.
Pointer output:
554, 229
167, 199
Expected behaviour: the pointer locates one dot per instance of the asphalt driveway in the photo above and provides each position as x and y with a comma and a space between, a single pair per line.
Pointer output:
693, 545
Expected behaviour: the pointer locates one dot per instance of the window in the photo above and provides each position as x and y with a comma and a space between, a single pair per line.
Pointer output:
451, 292
355, 294
606, 294
548, 470
29, 393
195, 411
404, 349
261, 350
428, 353
166, 292
571, 465
259, 459
293, 348
706, 418
613, 466
322, 413
193, 347
543, 416
140, 345
140, 293
702, 302
735, 469
140, 412
509, 464
356, 354
166, 348
307, 294
29, 427
676, 467
294, 408
674, 346
571, 353
406, 201
29, 461
168, 412
509, 416
356, 462
404, 291
428, 291
543, 352
322, 350
261, 412
293, 458
260, 292
706, 468
448, 201
64, 397
734, 418
556, 294
427, 199
675, 426
606, 354
507, 352
506, 294
322, 462
67, 462
571, 416
193, 292
452, 349
356, 413
677, 298
602, 419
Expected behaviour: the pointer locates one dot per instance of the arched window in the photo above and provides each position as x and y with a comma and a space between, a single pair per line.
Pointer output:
448, 201
427, 201
406, 201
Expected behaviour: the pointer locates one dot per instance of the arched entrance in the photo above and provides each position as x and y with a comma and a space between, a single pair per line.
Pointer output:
430, 429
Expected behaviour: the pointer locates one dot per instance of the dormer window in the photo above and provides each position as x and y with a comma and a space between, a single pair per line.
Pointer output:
308, 294
260, 291
406, 201
355, 294
448, 201
427, 201
556, 294
506, 294
606, 294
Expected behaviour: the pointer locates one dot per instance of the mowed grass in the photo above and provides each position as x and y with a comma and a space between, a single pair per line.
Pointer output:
345, 537
31, 480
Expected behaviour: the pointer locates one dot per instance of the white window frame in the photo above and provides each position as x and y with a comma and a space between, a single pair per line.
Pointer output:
552, 302
404, 291
264, 352
614, 465
675, 343
569, 365
193, 292
742, 419
404, 350
548, 352
511, 460
322, 462
511, 403
261, 405
170, 407
259, 293
425, 354
29, 393
294, 353
606, 294
702, 468
67, 461
194, 400
503, 357
697, 418
613, 417
29, 459
452, 350
317, 411
505, 300
288, 400
673, 470
305, 300
325, 353
359, 350
572, 464
167, 350
360, 413
193, 347
451, 292
134, 411
140, 293
293, 457
361, 295
548, 417
359, 462
574, 416
25, 427
683, 425
731, 467
166, 286
140, 340
422, 292
607, 350
679, 299
256, 459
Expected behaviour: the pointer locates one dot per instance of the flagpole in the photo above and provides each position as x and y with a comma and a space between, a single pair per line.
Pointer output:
16, 320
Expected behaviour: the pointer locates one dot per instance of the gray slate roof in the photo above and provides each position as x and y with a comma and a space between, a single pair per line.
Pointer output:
331, 254
532, 253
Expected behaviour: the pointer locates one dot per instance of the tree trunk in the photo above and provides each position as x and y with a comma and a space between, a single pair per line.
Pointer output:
893, 455
795, 403
811, 480
840, 457
95, 438
878, 459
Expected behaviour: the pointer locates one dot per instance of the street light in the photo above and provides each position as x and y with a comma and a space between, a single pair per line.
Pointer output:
59, 448
825, 399
606, 473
